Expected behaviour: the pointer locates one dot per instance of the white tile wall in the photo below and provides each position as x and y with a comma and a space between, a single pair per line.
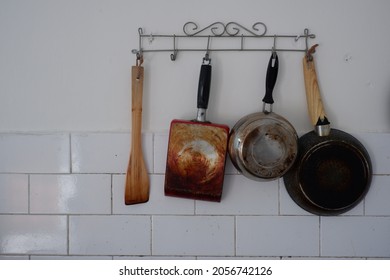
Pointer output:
278, 236
377, 199
61, 197
287, 205
109, 235
193, 235
355, 236
106, 152
33, 234
13, 193
34, 153
70, 194
242, 196
378, 148
160, 152
158, 203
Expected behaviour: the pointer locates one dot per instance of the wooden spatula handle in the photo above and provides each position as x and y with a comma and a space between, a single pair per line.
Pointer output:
313, 96
137, 181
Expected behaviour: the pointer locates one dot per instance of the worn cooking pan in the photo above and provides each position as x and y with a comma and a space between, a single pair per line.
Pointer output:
264, 145
333, 170
197, 151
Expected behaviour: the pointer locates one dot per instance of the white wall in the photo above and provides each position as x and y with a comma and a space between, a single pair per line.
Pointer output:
65, 129
65, 64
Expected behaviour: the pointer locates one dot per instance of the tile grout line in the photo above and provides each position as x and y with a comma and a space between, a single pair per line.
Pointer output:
194, 207
70, 154
112, 195
319, 236
153, 153
68, 235
279, 192
235, 235
364, 207
28, 195
151, 235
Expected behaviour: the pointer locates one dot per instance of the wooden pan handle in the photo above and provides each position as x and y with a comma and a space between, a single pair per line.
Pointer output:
137, 180
313, 96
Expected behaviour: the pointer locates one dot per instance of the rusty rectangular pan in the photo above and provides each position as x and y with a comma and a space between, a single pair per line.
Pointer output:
197, 151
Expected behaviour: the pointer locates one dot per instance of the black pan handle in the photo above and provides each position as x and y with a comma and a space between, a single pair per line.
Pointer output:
204, 86
270, 81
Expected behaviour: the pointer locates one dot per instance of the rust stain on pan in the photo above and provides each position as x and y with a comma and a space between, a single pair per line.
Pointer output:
269, 150
196, 159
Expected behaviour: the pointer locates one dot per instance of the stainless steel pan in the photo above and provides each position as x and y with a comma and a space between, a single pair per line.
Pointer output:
263, 145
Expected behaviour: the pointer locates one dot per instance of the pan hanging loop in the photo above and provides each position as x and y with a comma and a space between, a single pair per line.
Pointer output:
274, 48
175, 51
138, 62
207, 59
309, 52
139, 59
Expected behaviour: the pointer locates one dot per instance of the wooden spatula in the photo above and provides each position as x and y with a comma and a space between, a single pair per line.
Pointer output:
137, 180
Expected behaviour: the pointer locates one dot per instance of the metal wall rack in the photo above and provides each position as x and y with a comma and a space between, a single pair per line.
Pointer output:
220, 31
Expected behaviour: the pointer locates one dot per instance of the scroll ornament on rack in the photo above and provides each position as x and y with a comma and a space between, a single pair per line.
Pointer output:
231, 31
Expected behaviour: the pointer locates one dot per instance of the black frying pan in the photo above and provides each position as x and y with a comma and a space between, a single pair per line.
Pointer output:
333, 171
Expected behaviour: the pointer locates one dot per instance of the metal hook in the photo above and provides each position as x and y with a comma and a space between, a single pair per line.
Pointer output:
306, 35
306, 32
140, 32
217, 30
138, 62
139, 59
207, 57
174, 54
151, 38
309, 52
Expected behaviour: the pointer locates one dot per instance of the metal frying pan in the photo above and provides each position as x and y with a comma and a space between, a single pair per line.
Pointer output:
333, 171
197, 151
263, 145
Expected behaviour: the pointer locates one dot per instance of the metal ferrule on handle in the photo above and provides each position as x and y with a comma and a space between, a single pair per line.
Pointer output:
201, 115
322, 130
265, 111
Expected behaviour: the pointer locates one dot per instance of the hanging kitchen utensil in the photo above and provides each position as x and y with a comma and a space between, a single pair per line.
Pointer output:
137, 181
333, 171
197, 150
263, 145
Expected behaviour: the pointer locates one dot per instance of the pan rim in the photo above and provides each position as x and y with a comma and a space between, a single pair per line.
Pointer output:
250, 124
365, 163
